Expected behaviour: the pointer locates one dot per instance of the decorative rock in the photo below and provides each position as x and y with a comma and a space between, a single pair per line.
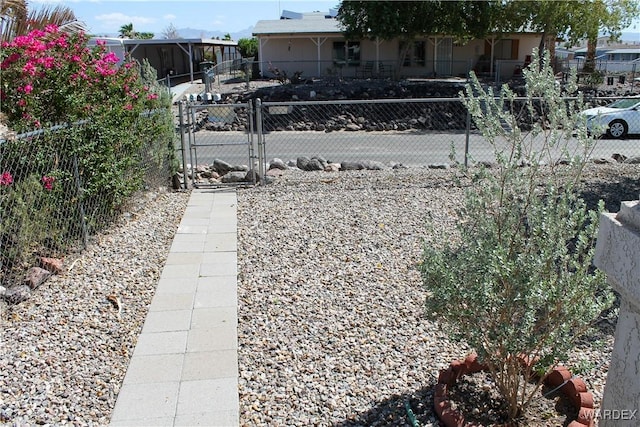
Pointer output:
36, 276
221, 167
234, 177
274, 172
373, 165
332, 167
252, 176
54, 265
601, 161
439, 166
239, 168
620, 158
17, 294
302, 162
314, 164
351, 166
277, 164
633, 160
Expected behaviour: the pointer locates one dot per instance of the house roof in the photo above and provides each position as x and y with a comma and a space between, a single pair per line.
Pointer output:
179, 41
624, 51
307, 25
129, 42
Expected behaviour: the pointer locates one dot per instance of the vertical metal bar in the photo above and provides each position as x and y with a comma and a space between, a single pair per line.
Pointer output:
191, 120
261, 153
466, 139
182, 143
252, 155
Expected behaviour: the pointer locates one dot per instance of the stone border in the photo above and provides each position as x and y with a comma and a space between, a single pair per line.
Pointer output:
572, 387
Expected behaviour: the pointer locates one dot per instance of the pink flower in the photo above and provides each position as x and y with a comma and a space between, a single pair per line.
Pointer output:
101, 42
6, 179
47, 182
111, 58
29, 69
28, 88
128, 107
49, 62
152, 96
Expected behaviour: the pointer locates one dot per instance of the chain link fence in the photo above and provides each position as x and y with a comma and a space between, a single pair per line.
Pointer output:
61, 185
372, 134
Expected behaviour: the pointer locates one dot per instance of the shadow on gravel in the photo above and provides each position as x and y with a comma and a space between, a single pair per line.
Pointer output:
611, 192
393, 411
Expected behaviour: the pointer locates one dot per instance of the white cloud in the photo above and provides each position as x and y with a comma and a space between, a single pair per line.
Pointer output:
117, 19
169, 17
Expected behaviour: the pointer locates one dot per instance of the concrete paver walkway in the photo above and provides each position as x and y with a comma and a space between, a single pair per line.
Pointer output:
184, 370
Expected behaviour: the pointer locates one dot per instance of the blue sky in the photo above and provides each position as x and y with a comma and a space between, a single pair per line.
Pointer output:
107, 16
228, 16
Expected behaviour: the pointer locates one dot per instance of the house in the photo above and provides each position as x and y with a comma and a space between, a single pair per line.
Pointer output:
611, 58
313, 45
181, 59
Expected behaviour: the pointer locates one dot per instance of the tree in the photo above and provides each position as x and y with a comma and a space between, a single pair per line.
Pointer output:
601, 16
570, 20
16, 19
573, 20
248, 47
171, 32
407, 20
227, 36
127, 31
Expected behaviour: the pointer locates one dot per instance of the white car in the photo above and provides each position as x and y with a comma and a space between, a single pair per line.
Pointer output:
617, 119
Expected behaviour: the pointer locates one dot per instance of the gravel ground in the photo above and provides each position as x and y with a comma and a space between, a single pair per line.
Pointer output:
331, 330
331, 319
65, 351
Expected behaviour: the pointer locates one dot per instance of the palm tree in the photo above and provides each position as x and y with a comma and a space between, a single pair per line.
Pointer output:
127, 31
16, 19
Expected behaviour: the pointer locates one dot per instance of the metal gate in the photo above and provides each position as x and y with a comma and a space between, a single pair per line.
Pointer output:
217, 142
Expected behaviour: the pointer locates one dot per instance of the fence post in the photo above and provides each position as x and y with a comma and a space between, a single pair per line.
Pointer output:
466, 139
261, 151
182, 144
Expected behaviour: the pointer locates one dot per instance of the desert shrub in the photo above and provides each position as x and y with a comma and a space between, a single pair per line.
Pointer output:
516, 280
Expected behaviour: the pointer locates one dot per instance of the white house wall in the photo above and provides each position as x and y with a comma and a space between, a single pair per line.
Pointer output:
300, 53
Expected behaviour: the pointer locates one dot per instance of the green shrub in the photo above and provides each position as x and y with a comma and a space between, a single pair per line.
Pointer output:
127, 134
516, 281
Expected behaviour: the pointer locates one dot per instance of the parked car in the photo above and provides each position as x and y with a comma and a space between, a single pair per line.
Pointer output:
617, 119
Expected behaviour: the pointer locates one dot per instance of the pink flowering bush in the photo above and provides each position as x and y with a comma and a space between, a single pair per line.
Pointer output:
57, 186
50, 77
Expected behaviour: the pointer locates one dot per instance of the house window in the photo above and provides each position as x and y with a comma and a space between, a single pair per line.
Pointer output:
346, 53
415, 56
506, 49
